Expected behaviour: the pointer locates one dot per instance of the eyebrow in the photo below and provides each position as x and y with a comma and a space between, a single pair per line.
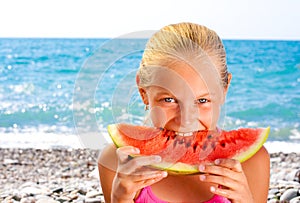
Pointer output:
205, 94
165, 92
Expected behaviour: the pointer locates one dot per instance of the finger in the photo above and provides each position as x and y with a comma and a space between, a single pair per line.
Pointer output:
124, 152
228, 182
143, 177
153, 180
222, 192
133, 173
150, 177
218, 170
232, 164
146, 160
136, 163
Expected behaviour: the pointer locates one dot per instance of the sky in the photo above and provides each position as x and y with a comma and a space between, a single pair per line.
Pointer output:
231, 19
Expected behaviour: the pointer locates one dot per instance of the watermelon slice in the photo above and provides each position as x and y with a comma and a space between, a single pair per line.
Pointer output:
182, 154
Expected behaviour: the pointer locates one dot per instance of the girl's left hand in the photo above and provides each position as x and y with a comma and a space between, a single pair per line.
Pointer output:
229, 175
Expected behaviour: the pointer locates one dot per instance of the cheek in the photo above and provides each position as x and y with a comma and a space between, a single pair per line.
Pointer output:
209, 115
158, 116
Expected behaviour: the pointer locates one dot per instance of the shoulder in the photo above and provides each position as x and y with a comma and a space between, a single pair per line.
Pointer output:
108, 157
258, 163
107, 165
257, 171
260, 159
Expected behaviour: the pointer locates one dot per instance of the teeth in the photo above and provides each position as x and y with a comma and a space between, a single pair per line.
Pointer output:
184, 134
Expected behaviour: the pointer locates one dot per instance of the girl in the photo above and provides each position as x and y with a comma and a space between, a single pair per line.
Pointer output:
183, 81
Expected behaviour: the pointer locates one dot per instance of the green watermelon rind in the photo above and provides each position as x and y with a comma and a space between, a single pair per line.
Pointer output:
117, 140
177, 168
187, 169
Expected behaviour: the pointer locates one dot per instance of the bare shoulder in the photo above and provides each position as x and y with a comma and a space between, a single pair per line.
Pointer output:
108, 157
260, 159
107, 165
257, 171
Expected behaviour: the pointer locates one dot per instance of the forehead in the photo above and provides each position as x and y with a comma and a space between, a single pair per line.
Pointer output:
181, 78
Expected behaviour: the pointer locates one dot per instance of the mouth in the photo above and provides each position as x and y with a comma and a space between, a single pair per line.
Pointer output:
184, 134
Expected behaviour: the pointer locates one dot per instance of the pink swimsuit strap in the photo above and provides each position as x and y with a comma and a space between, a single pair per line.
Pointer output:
146, 196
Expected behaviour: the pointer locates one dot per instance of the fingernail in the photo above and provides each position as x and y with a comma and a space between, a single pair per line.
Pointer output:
212, 189
217, 161
202, 177
164, 174
201, 168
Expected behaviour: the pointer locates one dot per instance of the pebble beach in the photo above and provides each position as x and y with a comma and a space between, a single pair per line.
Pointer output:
49, 175
71, 175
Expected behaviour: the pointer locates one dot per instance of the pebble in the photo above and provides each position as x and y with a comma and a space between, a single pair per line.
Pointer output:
93, 200
49, 176
92, 194
44, 198
295, 200
284, 180
289, 194
71, 175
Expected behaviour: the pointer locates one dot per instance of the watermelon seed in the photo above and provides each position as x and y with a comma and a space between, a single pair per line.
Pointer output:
195, 147
188, 144
178, 141
175, 143
213, 145
223, 144
209, 137
204, 146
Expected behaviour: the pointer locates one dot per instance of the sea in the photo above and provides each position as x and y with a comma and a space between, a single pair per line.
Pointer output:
62, 93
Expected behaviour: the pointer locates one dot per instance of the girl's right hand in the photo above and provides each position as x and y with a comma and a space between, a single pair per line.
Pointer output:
133, 174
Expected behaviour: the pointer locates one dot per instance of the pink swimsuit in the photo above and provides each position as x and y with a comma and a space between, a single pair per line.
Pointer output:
147, 196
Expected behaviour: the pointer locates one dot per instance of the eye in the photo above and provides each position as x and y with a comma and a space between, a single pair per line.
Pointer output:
202, 100
169, 100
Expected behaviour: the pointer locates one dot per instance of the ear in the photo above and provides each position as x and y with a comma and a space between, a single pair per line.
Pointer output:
229, 80
144, 95
226, 88
142, 90
137, 79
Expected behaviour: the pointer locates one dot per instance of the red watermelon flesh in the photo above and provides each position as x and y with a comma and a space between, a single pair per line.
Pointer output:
183, 154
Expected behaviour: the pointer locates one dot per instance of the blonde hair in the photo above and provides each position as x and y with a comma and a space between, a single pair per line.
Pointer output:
179, 41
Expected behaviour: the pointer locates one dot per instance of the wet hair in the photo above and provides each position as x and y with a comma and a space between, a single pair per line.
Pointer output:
182, 41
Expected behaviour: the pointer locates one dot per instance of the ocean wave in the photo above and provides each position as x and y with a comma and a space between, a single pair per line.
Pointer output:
39, 76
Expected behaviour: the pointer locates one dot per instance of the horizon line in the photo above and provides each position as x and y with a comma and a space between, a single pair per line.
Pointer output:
145, 38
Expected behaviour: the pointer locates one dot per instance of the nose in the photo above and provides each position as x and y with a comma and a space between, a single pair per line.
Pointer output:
188, 119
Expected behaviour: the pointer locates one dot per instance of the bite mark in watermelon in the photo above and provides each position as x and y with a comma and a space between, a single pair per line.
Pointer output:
183, 154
